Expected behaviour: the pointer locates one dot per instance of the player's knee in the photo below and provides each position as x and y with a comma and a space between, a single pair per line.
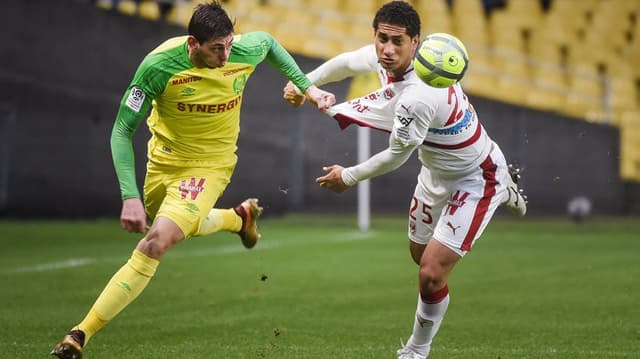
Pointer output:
431, 279
155, 244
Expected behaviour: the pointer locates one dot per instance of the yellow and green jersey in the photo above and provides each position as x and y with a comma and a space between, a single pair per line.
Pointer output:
195, 112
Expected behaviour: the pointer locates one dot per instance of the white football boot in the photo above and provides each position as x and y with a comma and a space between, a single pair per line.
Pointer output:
517, 201
407, 353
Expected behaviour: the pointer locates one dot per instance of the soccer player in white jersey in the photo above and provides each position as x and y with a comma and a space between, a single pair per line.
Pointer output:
464, 175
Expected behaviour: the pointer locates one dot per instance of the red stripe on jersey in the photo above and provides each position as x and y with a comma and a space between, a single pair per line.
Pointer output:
344, 122
490, 182
436, 297
471, 140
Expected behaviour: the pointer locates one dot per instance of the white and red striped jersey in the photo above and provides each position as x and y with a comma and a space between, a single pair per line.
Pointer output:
440, 122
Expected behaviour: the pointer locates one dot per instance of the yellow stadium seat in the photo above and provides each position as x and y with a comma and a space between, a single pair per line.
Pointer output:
513, 90
331, 25
623, 92
180, 13
526, 13
148, 9
585, 98
321, 6
127, 7
512, 79
323, 48
300, 18
360, 34
435, 16
237, 9
545, 99
261, 18
480, 80
424, 7
543, 48
630, 147
549, 77
505, 32
104, 4
290, 37
363, 84
359, 8
469, 22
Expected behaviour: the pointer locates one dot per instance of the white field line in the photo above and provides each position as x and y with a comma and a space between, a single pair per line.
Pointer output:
45, 267
213, 251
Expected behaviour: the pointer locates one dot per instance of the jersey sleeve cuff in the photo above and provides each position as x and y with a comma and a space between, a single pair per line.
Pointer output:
348, 178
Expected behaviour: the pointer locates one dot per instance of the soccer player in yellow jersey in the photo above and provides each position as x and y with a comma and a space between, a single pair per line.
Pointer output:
193, 86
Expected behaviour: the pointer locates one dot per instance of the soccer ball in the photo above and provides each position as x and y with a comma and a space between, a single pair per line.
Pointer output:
579, 208
441, 60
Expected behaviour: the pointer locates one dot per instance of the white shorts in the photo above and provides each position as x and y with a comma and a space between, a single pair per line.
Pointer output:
455, 211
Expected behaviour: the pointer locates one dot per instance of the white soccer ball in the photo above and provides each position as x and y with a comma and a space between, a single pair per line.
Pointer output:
579, 208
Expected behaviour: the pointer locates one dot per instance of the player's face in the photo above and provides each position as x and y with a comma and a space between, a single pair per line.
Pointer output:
213, 53
395, 49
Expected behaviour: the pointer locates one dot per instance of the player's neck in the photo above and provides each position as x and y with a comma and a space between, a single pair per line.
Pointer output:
398, 75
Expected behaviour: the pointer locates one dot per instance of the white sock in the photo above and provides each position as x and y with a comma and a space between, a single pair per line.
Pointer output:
429, 316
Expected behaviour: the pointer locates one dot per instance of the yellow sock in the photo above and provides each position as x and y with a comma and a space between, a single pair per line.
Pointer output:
220, 220
121, 290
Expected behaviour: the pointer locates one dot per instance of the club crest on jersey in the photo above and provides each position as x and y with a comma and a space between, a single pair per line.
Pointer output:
456, 201
239, 83
135, 99
191, 188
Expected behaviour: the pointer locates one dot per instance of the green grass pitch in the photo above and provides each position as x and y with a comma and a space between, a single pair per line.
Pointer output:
319, 288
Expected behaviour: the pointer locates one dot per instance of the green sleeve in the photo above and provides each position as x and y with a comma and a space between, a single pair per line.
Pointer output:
122, 153
148, 82
275, 54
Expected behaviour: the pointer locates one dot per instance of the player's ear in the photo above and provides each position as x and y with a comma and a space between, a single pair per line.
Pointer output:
415, 41
192, 41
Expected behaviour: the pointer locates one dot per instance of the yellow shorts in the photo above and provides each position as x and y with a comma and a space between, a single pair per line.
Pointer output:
184, 194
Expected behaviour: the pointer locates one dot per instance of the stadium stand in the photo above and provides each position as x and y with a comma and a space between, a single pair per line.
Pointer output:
577, 58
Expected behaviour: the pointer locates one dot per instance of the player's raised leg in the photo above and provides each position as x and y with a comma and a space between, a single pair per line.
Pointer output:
242, 220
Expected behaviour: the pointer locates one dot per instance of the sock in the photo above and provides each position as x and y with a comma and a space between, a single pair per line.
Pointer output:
429, 315
122, 289
220, 220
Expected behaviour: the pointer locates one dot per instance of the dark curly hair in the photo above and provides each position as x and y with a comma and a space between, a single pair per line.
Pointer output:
398, 13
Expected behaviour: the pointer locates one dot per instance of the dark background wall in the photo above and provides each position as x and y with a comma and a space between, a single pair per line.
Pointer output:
64, 66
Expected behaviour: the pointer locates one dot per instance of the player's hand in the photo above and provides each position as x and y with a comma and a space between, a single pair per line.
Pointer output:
133, 218
322, 99
333, 179
291, 95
